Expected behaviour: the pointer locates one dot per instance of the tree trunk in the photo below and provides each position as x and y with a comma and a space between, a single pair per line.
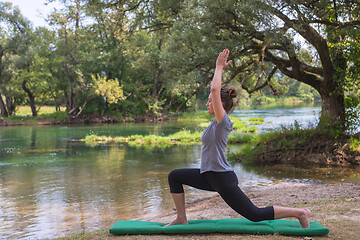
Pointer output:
4, 112
77, 20
332, 110
158, 71
31, 98
70, 96
10, 105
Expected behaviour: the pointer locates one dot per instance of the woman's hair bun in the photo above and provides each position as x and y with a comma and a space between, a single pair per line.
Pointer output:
227, 95
232, 92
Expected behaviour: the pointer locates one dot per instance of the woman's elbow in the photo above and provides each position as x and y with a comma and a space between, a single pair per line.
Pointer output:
215, 89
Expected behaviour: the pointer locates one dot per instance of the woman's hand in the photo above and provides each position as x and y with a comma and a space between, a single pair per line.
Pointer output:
221, 61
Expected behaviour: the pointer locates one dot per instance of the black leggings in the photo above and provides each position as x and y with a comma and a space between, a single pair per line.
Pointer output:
226, 184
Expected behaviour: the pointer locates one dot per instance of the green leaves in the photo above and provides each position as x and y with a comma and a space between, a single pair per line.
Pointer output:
108, 88
162, 52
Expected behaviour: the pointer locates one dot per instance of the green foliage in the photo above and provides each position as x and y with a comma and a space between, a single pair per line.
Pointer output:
259, 99
237, 137
59, 116
15, 39
244, 155
354, 144
332, 127
160, 54
155, 106
288, 137
239, 125
352, 113
108, 88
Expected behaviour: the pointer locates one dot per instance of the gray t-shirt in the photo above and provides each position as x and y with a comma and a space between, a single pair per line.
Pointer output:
214, 141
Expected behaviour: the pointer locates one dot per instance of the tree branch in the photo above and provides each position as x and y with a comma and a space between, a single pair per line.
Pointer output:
337, 24
301, 76
313, 37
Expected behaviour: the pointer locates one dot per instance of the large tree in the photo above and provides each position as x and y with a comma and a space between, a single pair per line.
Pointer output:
67, 21
263, 32
15, 38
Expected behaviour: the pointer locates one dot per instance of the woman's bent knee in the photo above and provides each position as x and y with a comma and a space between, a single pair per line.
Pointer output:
175, 185
173, 175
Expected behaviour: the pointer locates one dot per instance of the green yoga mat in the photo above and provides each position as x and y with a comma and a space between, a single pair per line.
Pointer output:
284, 227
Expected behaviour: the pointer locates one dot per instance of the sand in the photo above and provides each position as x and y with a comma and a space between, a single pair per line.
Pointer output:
215, 207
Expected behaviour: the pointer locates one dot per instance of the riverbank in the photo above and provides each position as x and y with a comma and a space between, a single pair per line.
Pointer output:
61, 118
335, 206
48, 115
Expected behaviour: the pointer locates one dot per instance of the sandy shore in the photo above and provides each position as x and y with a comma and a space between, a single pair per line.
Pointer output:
215, 207
336, 206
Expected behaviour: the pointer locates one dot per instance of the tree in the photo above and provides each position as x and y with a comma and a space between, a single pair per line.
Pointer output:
172, 77
47, 68
15, 37
265, 31
68, 20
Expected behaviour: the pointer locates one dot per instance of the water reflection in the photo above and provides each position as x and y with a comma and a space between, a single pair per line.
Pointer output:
308, 174
283, 115
51, 185
49, 193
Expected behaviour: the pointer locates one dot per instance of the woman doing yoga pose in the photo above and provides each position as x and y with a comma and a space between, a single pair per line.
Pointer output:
215, 173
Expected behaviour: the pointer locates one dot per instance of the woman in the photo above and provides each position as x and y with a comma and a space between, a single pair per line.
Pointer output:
215, 173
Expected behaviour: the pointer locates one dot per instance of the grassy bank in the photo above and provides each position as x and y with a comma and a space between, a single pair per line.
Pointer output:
296, 145
23, 114
49, 114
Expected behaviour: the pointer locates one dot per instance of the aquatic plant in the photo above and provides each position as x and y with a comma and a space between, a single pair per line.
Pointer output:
181, 137
184, 136
256, 121
237, 137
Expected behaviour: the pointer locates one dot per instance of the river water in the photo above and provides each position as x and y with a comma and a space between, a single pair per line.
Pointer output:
52, 185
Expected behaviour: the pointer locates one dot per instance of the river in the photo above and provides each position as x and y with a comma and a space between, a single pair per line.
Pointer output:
52, 185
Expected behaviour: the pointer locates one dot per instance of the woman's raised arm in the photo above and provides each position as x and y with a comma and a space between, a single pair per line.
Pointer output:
215, 90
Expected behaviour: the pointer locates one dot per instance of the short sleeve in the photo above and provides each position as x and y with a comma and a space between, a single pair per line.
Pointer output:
225, 123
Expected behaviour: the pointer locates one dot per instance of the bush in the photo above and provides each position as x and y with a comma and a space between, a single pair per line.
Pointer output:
59, 116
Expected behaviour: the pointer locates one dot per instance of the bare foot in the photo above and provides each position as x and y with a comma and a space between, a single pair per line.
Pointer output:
177, 222
304, 219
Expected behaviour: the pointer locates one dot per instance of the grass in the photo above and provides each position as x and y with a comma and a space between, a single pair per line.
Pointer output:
293, 143
24, 114
243, 154
344, 226
256, 121
236, 137
26, 110
181, 137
